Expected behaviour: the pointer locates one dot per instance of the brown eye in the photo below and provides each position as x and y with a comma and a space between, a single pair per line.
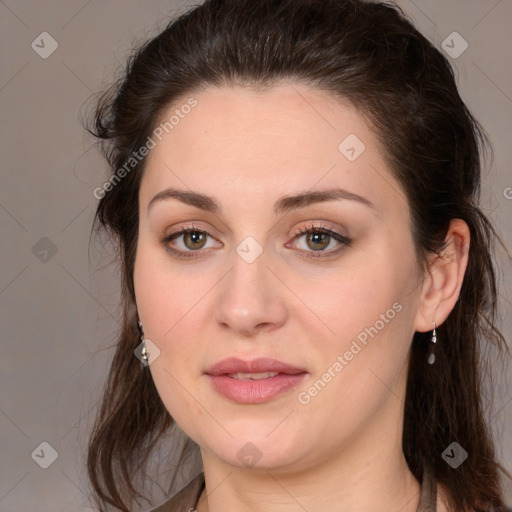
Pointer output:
190, 242
318, 240
194, 239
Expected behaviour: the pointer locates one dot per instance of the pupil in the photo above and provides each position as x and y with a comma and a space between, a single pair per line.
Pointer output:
315, 237
195, 236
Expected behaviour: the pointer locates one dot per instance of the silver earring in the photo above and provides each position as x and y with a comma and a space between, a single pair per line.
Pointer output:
432, 356
144, 353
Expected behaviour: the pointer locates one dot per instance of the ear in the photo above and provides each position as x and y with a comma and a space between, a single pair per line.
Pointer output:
441, 287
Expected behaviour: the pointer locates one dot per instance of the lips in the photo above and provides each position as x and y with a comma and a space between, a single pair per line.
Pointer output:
234, 365
253, 382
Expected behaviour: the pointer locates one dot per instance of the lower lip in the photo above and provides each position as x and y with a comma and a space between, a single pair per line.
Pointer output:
249, 391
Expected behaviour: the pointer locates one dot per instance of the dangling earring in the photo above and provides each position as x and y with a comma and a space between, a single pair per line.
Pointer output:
144, 353
433, 340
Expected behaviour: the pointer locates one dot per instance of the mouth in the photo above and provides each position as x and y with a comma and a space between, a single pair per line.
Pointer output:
252, 382
253, 376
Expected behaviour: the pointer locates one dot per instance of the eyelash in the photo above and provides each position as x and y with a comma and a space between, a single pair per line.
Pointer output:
303, 231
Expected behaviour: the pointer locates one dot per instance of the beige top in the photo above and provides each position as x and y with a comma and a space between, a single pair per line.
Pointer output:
186, 499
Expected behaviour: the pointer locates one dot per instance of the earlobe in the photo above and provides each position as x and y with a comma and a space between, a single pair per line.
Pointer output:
442, 285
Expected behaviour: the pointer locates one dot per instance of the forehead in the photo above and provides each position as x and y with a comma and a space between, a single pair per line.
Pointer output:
253, 143
282, 115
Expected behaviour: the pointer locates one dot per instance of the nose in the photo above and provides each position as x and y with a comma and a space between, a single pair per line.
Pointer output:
249, 299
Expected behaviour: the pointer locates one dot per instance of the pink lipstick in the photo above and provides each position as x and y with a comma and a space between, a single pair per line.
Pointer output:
255, 381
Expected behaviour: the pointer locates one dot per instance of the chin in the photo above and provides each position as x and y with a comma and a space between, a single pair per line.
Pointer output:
258, 450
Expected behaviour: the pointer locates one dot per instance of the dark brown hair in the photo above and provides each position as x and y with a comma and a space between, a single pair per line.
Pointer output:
371, 55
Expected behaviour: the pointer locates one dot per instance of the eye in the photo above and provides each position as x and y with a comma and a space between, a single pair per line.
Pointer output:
319, 238
191, 239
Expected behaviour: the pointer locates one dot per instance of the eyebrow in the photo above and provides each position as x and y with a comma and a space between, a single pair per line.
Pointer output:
282, 205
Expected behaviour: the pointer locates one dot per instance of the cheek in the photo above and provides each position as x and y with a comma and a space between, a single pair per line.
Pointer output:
359, 365
369, 311
163, 303
172, 309
165, 296
370, 292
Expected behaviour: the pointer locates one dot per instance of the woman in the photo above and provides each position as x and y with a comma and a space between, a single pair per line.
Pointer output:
307, 277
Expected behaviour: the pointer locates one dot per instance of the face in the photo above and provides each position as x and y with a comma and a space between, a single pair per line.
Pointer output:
326, 284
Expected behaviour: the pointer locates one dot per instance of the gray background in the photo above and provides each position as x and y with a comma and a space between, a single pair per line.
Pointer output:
59, 310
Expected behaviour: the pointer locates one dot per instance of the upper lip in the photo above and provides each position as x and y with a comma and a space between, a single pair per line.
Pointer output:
262, 364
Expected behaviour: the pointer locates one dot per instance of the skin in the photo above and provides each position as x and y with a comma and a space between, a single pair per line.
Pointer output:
247, 149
